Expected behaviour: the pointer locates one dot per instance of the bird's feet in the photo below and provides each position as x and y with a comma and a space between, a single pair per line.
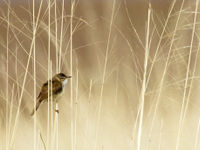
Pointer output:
57, 111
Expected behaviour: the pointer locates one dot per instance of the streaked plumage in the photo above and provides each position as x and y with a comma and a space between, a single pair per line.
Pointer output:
55, 87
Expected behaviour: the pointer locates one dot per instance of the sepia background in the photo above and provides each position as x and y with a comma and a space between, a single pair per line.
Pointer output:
134, 66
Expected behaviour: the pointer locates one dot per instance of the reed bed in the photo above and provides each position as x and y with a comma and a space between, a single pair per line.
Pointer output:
134, 66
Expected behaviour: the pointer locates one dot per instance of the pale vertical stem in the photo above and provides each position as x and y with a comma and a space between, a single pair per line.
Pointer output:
56, 32
165, 71
76, 109
88, 110
34, 96
44, 145
55, 129
160, 40
116, 89
71, 48
10, 116
103, 77
160, 140
197, 137
132, 25
17, 95
195, 64
7, 61
136, 124
191, 83
16, 74
22, 87
75, 27
39, 11
90, 90
34, 80
183, 107
71, 72
143, 90
61, 36
49, 67
51, 107
38, 139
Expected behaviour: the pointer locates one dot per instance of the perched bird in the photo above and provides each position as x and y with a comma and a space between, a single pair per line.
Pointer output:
55, 87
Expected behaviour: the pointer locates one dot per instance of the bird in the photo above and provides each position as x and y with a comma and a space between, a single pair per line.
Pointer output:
55, 87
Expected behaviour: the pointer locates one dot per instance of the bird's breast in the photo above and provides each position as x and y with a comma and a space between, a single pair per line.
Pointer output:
65, 82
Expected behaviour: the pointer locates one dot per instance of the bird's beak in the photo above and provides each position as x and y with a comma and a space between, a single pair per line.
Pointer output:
69, 76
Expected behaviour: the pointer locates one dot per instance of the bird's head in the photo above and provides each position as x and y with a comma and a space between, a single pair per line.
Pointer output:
63, 78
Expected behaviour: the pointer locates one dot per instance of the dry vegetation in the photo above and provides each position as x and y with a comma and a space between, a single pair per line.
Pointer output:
135, 69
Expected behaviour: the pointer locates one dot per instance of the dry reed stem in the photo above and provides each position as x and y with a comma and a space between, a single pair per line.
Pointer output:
103, 77
7, 84
143, 89
162, 37
183, 107
71, 73
23, 85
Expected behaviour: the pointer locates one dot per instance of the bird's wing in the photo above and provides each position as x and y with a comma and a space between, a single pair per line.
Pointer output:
55, 89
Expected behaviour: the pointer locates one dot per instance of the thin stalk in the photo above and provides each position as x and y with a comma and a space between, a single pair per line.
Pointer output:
51, 108
143, 90
56, 32
183, 107
55, 131
197, 137
23, 83
61, 36
10, 115
69, 43
43, 142
160, 139
71, 72
49, 73
7, 84
132, 26
160, 39
164, 72
88, 110
34, 79
76, 111
104, 75
194, 70
117, 84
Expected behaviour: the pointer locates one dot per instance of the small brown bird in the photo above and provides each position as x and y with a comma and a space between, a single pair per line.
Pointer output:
54, 86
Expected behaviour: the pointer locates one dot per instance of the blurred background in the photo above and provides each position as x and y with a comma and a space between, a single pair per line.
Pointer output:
134, 66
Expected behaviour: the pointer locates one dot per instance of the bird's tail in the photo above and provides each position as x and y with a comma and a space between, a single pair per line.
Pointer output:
36, 108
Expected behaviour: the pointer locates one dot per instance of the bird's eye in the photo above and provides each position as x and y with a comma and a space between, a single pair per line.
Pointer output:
62, 75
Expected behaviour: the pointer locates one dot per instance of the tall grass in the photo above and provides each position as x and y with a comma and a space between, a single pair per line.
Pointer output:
135, 74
